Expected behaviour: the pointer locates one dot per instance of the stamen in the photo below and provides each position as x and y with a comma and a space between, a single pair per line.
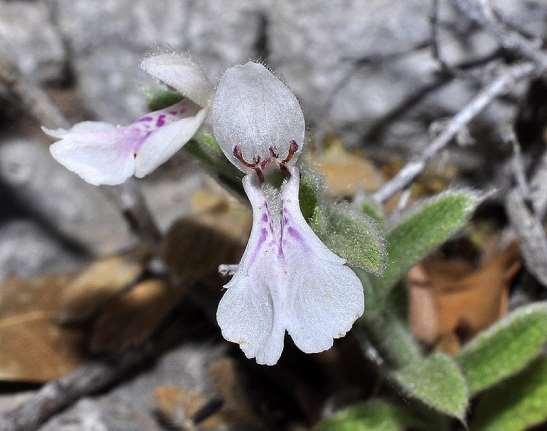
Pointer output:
256, 165
274, 153
239, 156
293, 148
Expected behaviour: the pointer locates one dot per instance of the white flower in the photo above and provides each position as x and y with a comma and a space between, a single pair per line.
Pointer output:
102, 153
287, 280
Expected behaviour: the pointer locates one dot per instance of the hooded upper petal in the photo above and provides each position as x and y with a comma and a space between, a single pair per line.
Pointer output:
287, 280
181, 73
254, 110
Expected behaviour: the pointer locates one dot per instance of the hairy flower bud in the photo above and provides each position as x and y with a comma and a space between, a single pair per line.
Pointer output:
256, 119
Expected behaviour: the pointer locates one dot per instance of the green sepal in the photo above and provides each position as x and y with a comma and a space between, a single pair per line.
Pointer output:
160, 98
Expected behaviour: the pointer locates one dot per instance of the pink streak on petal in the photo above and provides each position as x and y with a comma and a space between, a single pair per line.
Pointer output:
160, 121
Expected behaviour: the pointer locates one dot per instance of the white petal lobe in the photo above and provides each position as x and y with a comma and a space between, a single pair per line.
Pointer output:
99, 161
95, 152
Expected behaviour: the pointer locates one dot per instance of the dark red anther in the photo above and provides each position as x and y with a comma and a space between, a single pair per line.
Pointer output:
293, 148
256, 165
239, 156
274, 153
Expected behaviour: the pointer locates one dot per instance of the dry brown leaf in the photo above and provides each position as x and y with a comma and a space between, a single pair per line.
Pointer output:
129, 319
35, 349
32, 346
346, 173
98, 283
177, 405
451, 298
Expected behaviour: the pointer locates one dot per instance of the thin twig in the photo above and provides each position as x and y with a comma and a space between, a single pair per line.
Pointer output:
361, 62
495, 89
531, 234
435, 46
136, 212
519, 171
88, 379
441, 79
444, 67
481, 12
538, 188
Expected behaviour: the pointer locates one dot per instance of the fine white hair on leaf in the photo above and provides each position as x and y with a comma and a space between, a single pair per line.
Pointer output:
255, 111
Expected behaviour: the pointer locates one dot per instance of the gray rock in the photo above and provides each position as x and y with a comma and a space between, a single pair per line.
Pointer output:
26, 251
78, 210
108, 43
29, 37
311, 44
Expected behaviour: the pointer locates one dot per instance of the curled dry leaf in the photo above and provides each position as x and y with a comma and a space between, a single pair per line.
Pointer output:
33, 347
129, 319
450, 300
98, 283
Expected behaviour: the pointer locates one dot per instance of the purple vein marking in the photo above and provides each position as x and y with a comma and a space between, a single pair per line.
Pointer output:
160, 121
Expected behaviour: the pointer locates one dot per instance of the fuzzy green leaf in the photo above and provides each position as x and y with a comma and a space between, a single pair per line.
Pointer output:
372, 208
505, 348
437, 382
352, 235
160, 98
373, 415
382, 327
516, 404
424, 228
